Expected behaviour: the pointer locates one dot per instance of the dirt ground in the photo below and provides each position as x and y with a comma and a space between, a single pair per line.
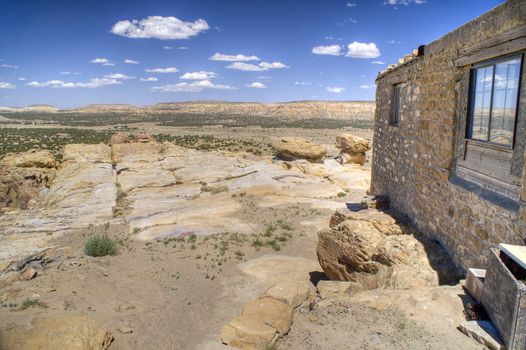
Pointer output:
178, 293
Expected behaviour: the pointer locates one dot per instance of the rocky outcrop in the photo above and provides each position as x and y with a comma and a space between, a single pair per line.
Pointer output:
22, 175
352, 149
65, 332
290, 148
371, 248
119, 137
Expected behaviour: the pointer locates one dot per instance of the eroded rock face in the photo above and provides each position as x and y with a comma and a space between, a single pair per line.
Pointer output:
66, 332
23, 175
298, 148
248, 334
369, 248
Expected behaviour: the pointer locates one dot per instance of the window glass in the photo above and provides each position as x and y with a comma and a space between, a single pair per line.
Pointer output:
505, 92
494, 97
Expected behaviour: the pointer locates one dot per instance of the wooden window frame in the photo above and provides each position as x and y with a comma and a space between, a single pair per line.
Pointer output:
394, 118
471, 99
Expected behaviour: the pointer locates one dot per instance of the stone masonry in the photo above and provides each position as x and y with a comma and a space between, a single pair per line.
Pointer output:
415, 163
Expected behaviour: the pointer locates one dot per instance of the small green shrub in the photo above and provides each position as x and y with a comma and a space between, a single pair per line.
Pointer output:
100, 246
27, 303
342, 194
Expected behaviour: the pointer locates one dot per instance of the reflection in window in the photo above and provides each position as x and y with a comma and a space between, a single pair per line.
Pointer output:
494, 99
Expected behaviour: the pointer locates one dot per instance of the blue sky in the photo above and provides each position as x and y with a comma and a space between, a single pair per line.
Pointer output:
71, 53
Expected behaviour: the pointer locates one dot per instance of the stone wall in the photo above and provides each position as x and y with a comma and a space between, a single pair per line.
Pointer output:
414, 163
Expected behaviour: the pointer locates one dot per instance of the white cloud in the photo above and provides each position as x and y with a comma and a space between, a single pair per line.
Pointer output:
366, 87
103, 61
394, 42
70, 73
265, 77
162, 70
118, 76
404, 2
92, 84
22, 79
168, 47
149, 79
335, 89
233, 58
201, 75
302, 83
263, 66
158, 27
183, 48
350, 4
128, 61
378, 62
5, 85
3, 65
334, 50
362, 50
195, 86
256, 85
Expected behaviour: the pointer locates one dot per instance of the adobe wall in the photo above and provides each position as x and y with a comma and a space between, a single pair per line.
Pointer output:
413, 163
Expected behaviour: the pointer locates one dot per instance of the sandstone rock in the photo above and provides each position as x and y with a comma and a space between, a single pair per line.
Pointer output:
293, 293
297, 147
272, 312
356, 250
353, 158
144, 138
28, 274
351, 144
65, 332
248, 334
31, 159
328, 289
97, 153
125, 330
119, 137
382, 221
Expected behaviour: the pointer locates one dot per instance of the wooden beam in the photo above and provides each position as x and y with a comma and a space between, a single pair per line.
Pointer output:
491, 52
513, 34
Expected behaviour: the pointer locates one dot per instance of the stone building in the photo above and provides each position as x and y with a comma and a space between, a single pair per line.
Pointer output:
450, 134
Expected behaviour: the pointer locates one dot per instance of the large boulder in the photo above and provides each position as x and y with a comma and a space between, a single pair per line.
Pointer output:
66, 332
272, 312
248, 334
352, 149
291, 148
379, 253
33, 158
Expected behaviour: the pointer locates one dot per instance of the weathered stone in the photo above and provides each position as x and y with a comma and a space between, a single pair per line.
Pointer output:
272, 312
125, 330
354, 158
355, 250
65, 332
28, 274
382, 221
351, 144
144, 138
30, 159
248, 334
475, 283
291, 292
484, 332
329, 289
97, 153
299, 148
119, 137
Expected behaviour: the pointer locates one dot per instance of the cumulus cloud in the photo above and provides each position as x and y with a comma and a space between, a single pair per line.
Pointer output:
378, 62
22, 79
256, 85
168, 47
362, 50
394, 42
263, 66
195, 86
162, 70
128, 61
92, 84
334, 50
302, 83
350, 4
233, 58
118, 76
201, 75
335, 89
159, 27
149, 79
70, 73
182, 48
366, 87
4, 65
103, 61
6, 85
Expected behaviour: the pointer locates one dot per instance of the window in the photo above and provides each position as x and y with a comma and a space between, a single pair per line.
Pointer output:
397, 99
494, 97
